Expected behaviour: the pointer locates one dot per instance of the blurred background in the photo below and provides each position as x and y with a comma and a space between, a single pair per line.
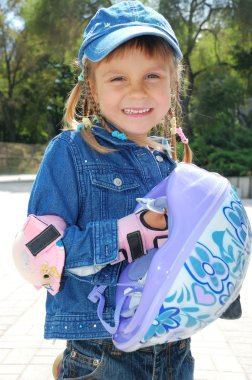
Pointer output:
39, 41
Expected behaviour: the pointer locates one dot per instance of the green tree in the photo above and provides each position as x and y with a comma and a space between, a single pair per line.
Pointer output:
60, 25
36, 66
221, 141
12, 71
197, 20
215, 38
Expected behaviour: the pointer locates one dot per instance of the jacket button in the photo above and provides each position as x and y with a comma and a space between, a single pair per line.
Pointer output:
96, 362
73, 354
117, 182
159, 158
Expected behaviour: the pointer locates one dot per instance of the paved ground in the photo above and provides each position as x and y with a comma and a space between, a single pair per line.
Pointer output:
222, 351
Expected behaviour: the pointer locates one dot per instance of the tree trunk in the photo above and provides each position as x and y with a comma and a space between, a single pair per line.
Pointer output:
9, 127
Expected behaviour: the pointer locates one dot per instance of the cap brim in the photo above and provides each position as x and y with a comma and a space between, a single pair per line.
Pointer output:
102, 46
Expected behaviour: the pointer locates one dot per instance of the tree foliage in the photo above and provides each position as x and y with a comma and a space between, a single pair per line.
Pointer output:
215, 38
36, 64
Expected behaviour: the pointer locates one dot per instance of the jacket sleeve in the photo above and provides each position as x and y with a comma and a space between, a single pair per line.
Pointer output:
56, 191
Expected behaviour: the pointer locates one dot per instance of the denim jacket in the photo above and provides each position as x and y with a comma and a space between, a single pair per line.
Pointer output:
90, 191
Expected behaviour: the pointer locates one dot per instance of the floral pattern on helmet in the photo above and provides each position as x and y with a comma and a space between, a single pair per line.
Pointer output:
237, 217
167, 320
207, 268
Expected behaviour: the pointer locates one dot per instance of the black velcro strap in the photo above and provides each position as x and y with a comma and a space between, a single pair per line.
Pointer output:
42, 240
135, 244
124, 253
158, 240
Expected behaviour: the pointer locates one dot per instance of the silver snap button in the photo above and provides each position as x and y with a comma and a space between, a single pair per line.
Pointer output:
96, 362
73, 354
117, 182
159, 158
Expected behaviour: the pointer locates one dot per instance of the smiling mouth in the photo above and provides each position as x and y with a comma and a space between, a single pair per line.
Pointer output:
136, 111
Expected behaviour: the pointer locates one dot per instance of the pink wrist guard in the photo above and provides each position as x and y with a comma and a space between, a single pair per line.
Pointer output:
39, 253
136, 237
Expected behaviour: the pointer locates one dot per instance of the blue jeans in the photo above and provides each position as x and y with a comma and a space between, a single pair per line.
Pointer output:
100, 360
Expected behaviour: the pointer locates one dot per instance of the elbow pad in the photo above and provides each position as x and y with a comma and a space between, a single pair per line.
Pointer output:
38, 251
136, 237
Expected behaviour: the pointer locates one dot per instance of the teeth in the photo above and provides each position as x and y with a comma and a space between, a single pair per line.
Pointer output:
131, 111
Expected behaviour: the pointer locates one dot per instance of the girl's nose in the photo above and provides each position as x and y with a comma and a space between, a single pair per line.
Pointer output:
137, 90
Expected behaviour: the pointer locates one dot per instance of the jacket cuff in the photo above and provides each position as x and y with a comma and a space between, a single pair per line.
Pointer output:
105, 241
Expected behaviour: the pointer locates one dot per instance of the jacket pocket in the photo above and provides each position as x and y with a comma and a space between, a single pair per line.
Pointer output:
84, 360
114, 180
114, 189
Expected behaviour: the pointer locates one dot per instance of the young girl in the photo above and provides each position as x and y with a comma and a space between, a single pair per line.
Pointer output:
90, 178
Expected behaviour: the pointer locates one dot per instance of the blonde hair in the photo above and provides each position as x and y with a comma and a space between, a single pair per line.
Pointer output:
81, 103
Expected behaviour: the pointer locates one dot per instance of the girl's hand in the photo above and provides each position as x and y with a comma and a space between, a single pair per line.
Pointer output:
155, 220
140, 232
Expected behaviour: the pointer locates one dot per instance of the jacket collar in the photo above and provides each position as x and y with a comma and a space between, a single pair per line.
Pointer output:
102, 133
99, 131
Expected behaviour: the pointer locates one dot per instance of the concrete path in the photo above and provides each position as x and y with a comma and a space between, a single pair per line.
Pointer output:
223, 351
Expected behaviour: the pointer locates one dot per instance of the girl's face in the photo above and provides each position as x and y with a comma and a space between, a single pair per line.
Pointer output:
133, 90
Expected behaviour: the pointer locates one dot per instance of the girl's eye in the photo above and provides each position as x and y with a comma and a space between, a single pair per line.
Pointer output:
152, 76
117, 79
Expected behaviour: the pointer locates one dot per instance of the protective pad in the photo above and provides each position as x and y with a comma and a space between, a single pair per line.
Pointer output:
39, 253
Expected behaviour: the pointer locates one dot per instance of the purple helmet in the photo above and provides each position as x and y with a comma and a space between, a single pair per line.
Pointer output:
176, 290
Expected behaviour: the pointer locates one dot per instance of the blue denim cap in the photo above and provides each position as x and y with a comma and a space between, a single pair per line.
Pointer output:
111, 27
